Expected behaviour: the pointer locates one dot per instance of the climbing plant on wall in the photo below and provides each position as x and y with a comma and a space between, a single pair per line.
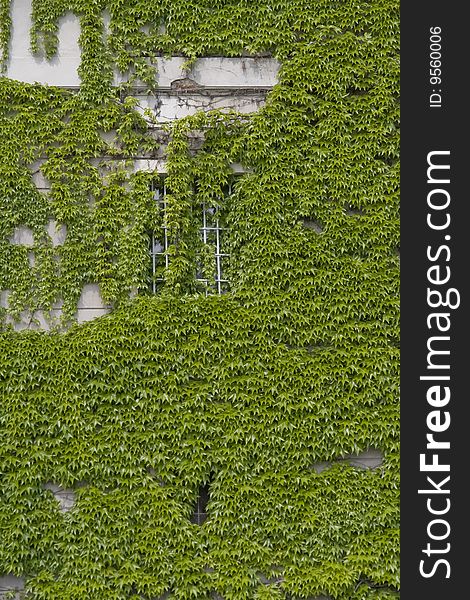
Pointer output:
247, 392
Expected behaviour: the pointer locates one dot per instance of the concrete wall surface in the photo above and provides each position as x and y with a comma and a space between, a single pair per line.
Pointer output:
369, 459
23, 66
10, 583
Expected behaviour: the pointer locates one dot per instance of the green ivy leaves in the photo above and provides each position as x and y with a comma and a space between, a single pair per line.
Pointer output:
296, 365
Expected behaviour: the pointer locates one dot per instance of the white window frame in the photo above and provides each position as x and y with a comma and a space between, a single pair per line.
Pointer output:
159, 245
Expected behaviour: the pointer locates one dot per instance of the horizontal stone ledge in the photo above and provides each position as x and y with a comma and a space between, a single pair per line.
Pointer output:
143, 90
168, 107
370, 459
10, 583
140, 163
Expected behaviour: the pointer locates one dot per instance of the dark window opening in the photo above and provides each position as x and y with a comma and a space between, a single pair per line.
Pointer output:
200, 510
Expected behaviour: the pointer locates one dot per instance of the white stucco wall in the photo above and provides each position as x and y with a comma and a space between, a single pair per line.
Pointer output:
23, 66
214, 72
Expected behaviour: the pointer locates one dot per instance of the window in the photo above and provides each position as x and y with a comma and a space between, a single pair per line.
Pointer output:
200, 511
212, 257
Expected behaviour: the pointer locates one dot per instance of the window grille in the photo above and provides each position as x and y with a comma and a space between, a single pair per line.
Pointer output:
212, 233
200, 512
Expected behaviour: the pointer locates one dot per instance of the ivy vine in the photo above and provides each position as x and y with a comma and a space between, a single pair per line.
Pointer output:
246, 392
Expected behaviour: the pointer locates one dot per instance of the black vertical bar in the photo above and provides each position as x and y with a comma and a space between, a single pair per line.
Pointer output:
434, 120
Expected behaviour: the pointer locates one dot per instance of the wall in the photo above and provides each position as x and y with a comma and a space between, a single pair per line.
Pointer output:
249, 75
281, 396
239, 84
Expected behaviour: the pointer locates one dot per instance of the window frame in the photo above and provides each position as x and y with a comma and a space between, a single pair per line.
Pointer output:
159, 246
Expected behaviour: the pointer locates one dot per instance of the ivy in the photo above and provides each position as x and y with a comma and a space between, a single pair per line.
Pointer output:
248, 392
5, 32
